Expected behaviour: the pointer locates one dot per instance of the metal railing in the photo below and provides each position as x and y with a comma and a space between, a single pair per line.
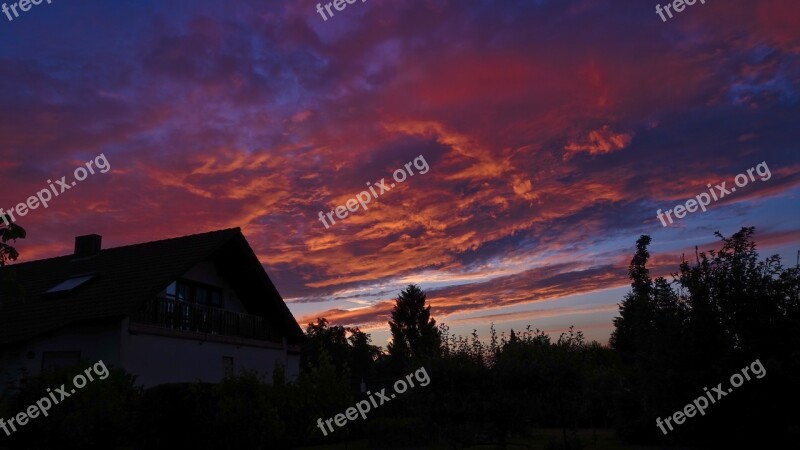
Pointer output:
180, 315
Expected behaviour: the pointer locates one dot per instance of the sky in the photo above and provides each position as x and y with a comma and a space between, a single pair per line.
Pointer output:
552, 133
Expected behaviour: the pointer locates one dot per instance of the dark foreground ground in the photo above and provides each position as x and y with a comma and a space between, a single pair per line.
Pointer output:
538, 440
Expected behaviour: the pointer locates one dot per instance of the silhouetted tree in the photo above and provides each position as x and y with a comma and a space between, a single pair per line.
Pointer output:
363, 355
323, 337
9, 287
414, 333
633, 326
349, 349
737, 302
9, 232
730, 309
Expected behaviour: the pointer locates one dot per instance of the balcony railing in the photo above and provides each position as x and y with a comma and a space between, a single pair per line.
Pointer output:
180, 315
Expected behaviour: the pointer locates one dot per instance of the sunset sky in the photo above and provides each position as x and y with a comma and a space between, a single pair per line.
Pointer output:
553, 130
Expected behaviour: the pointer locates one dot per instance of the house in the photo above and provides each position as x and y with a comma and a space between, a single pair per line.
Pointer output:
193, 308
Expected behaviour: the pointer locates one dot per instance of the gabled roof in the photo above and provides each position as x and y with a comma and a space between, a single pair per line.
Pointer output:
126, 277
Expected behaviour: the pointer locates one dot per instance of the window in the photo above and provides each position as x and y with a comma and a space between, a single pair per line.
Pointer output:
183, 292
60, 359
69, 284
201, 295
216, 298
194, 292
227, 366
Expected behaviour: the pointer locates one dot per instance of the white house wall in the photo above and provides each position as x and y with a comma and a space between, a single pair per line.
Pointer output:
94, 342
157, 359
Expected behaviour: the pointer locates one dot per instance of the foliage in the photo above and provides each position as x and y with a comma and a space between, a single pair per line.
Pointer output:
722, 311
10, 289
246, 415
98, 416
725, 309
168, 410
415, 338
349, 349
398, 433
10, 232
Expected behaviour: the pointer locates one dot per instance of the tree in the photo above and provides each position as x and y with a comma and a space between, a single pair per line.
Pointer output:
631, 328
730, 308
9, 288
323, 337
9, 232
738, 304
349, 349
415, 336
363, 354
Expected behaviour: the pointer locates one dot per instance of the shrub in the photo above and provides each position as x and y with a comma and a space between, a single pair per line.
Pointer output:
177, 416
98, 416
397, 433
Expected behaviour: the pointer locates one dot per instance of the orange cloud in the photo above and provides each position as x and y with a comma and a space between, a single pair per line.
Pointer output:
599, 142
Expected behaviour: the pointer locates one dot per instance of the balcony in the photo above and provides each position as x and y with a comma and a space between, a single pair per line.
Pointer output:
190, 317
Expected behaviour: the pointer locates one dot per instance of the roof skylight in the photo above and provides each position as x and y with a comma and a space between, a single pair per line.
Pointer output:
69, 284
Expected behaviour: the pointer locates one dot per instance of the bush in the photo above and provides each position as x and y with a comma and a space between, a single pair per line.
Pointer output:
98, 416
572, 443
177, 415
247, 415
239, 412
398, 433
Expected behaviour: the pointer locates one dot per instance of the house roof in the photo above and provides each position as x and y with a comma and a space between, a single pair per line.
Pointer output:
126, 277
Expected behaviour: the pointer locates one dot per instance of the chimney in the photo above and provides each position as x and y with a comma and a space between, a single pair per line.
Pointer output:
88, 245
